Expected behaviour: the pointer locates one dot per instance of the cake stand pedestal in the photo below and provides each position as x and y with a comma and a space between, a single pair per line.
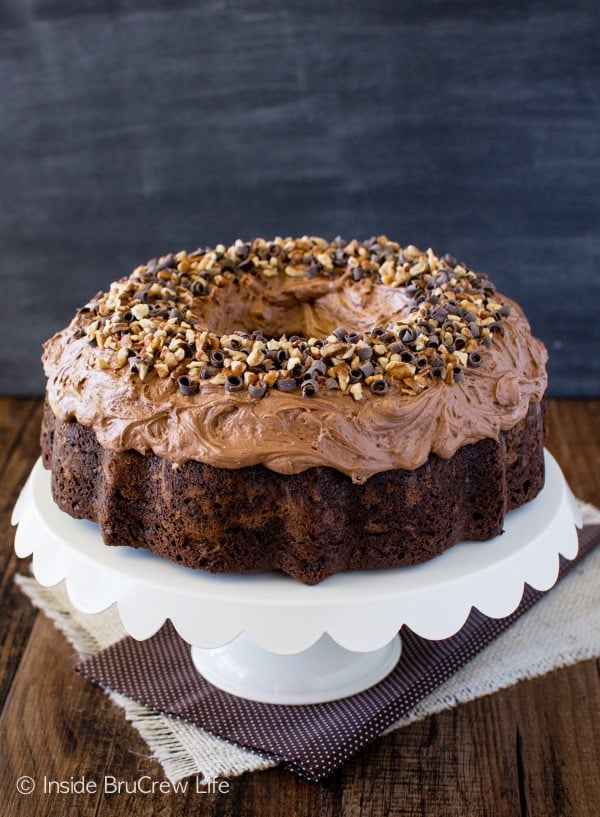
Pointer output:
270, 638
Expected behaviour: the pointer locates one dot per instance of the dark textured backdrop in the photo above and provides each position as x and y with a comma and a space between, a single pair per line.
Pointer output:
133, 127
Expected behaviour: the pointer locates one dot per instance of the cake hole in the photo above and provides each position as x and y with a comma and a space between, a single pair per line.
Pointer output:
305, 308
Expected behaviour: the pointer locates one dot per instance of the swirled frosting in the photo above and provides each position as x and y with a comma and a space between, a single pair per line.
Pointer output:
284, 431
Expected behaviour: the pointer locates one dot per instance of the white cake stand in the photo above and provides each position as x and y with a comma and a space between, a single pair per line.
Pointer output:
270, 638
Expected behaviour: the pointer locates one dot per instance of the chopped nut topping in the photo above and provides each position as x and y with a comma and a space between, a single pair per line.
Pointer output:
149, 320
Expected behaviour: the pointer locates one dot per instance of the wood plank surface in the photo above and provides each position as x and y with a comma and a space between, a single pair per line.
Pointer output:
531, 750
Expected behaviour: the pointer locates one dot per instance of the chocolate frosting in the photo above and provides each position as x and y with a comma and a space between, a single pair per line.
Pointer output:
284, 431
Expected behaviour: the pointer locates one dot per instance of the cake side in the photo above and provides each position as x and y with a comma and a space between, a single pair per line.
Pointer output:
311, 524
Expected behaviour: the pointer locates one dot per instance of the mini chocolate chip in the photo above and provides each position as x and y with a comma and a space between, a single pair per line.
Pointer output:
457, 373
408, 335
246, 264
437, 371
242, 250
217, 358
421, 362
234, 382
460, 342
257, 390
233, 343
278, 355
352, 337
187, 386
397, 347
407, 357
310, 388
364, 353
497, 327
355, 375
168, 262
317, 367
286, 384
505, 311
367, 369
332, 383
379, 387
474, 360
340, 333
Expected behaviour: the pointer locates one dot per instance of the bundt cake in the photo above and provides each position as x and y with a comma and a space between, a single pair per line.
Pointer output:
300, 404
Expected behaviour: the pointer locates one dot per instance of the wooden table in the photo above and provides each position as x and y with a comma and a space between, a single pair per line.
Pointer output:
530, 750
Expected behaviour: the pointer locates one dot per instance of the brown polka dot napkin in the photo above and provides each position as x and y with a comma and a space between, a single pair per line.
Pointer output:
311, 740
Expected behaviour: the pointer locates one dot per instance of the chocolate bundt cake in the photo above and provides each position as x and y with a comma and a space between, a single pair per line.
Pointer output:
296, 404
